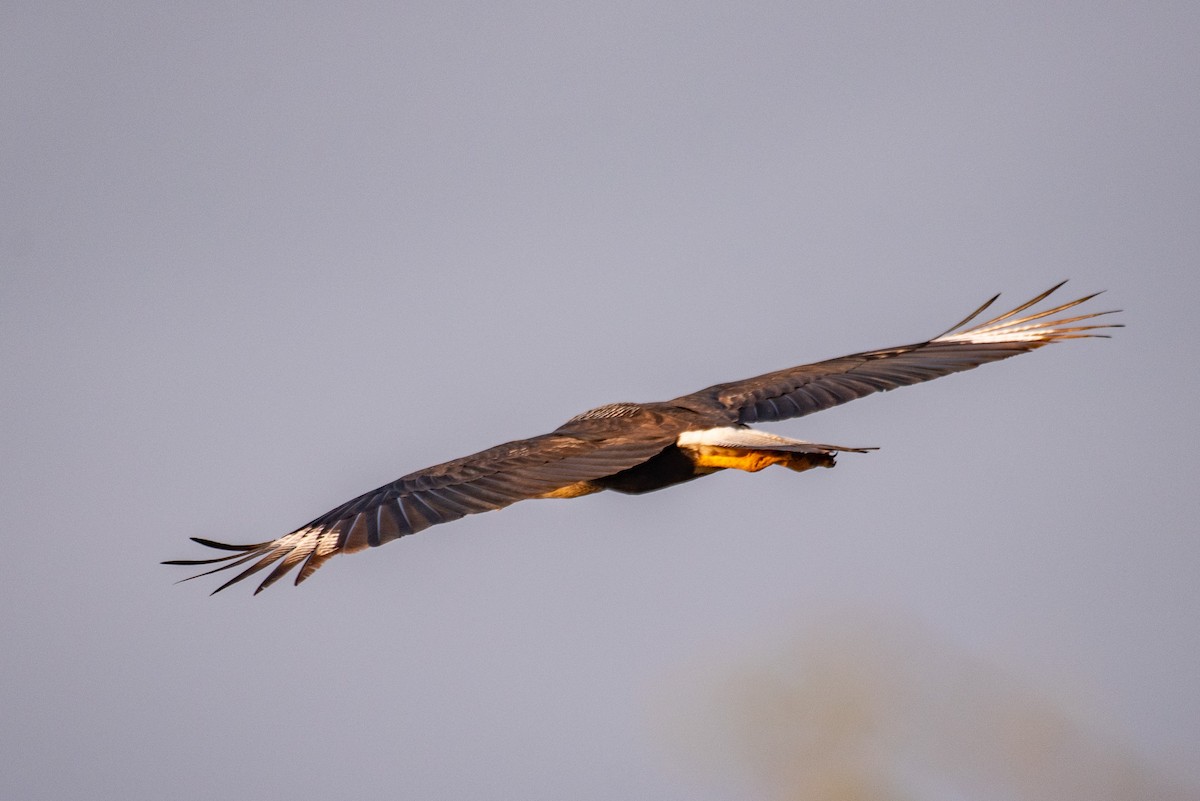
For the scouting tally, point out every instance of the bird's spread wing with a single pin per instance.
(490, 479)
(810, 388)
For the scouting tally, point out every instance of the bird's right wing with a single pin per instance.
(809, 388)
(490, 479)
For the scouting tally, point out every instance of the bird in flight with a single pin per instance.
(641, 447)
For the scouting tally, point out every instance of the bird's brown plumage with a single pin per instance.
(634, 448)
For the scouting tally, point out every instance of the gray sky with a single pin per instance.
(255, 260)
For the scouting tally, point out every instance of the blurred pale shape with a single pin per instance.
(851, 711)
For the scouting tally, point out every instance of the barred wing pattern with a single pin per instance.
(809, 388)
(490, 479)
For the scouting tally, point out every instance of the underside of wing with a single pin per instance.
(809, 388)
(490, 479)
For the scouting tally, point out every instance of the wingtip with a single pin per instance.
(225, 546)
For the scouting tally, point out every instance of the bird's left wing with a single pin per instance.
(809, 388)
(490, 479)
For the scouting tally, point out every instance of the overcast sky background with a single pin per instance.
(256, 259)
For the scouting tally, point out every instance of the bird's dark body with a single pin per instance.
(669, 467)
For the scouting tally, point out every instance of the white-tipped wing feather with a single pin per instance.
(485, 481)
(809, 388)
